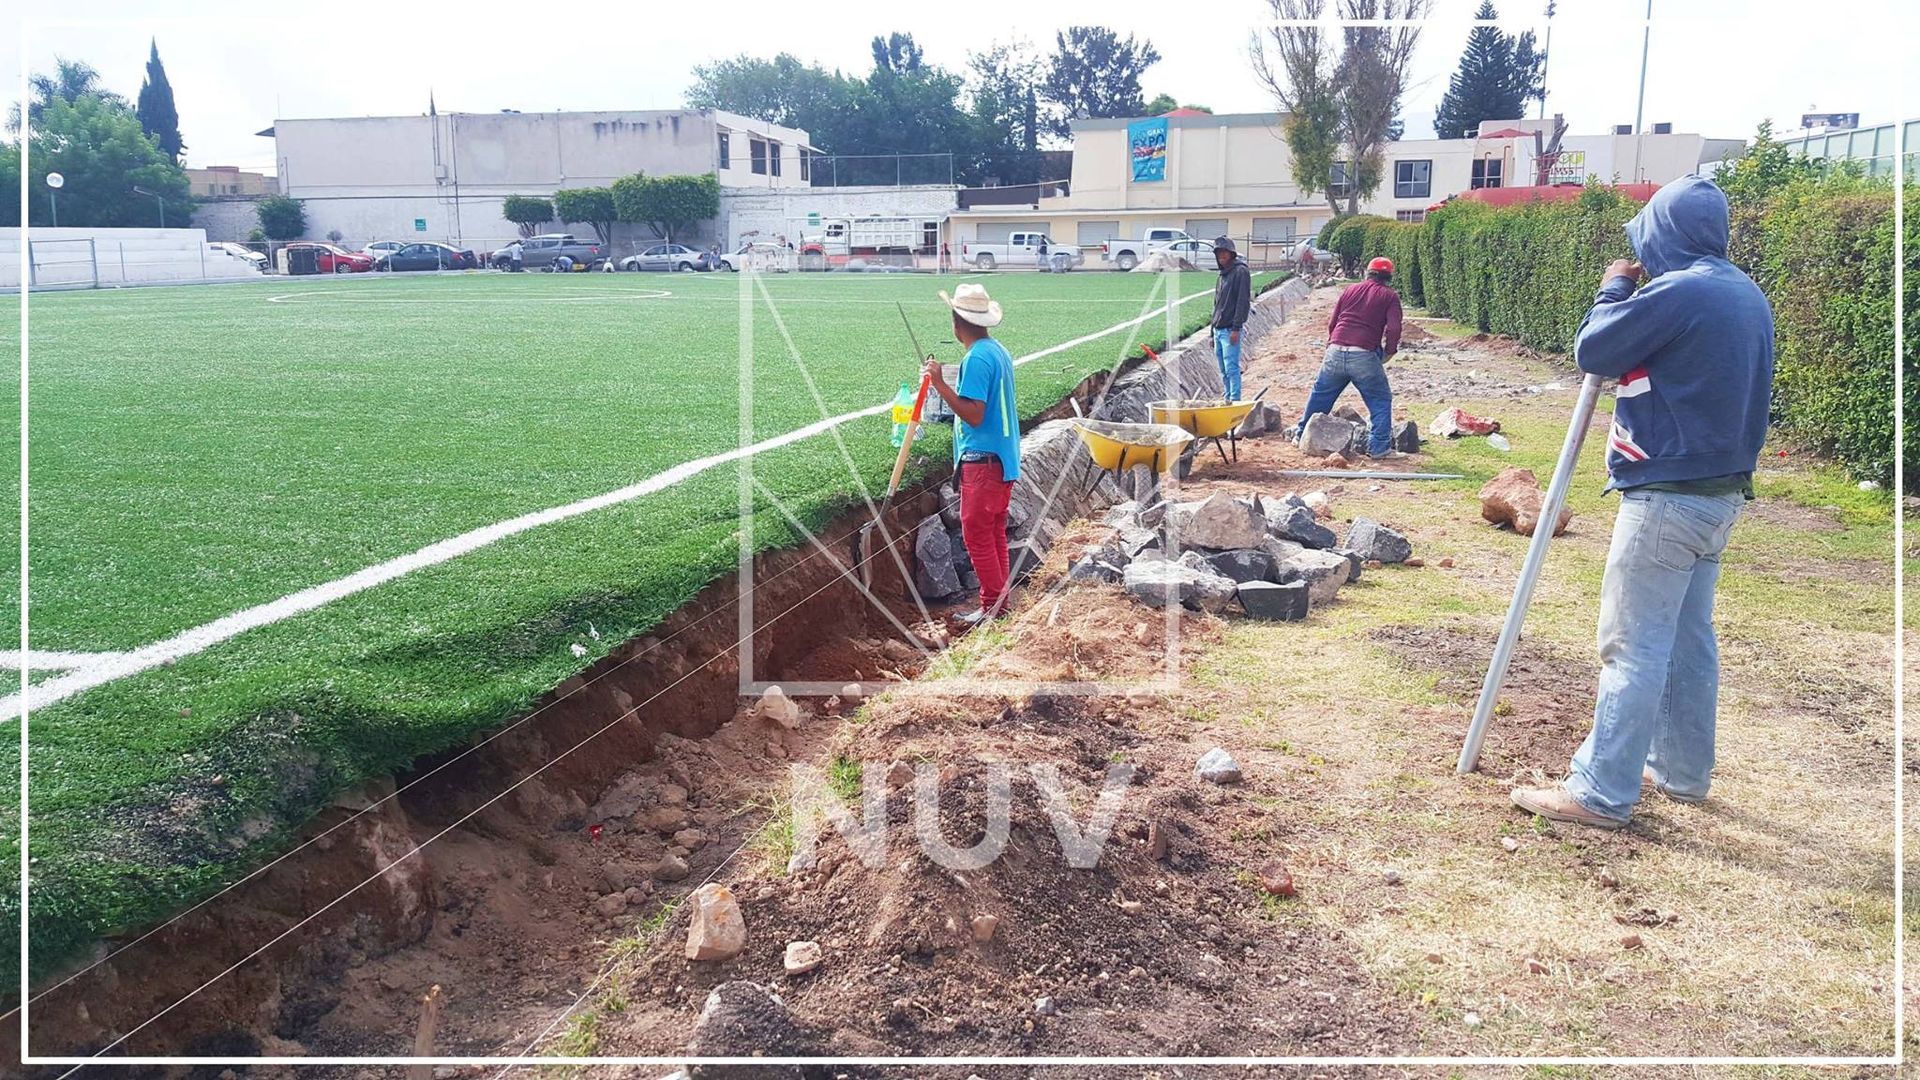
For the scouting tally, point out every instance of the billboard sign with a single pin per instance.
(1830, 120)
(1147, 149)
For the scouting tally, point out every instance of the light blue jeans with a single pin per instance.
(1659, 662)
(1227, 351)
(1367, 371)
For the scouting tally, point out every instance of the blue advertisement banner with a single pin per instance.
(1147, 148)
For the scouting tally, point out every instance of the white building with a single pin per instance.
(1233, 174)
(444, 176)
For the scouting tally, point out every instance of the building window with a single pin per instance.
(1486, 173)
(1413, 179)
(773, 157)
(806, 164)
(1339, 185)
(1414, 216)
(726, 152)
(758, 149)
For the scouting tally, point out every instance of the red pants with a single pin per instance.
(983, 526)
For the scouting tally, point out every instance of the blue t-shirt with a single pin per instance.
(986, 375)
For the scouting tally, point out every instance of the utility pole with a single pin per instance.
(1639, 108)
(1546, 58)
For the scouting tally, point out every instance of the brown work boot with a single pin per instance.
(1555, 804)
(1647, 780)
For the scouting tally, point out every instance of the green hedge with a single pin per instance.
(1820, 246)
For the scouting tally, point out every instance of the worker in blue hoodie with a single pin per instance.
(1692, 351)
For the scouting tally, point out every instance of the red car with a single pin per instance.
(336, 260)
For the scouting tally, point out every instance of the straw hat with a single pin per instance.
(971, 302)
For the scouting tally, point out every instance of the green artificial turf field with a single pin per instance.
(197, 451)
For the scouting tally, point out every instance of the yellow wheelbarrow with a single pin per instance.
(1206, 420)
(1116, 447)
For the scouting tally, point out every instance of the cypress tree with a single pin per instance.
(1498, 74)
(158, 118)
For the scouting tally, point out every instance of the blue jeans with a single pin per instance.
(1659, 662)
(1227, 351)
(1366, 369)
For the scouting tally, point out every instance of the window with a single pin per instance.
(726, 152)
(759, 152)
(1275, 229)
(773, 157)
(1413, 179)
(1415, 216)
(929, 231)
(806, 165)
(1339, 183)
(1486, 173)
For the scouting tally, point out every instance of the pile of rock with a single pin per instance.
(1348, 436)
(1273, 556)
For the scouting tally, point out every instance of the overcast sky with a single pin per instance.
(1717, 66)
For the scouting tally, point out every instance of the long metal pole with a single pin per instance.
(1530, 573)
(1640, 106)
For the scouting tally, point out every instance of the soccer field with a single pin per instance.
(202, 452)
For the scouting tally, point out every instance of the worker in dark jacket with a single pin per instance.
(1232, 299)
(1693, 353)
(1362, 336)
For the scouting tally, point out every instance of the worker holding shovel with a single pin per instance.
(986, 440)
(1693, 353)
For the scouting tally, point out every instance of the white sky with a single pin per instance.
(1717, 66)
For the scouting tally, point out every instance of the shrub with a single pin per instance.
(527, 212)
(1819, 243)
(591, 205)
(1348, 239)
(282, 218)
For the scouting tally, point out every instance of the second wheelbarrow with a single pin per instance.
(1206, 420)
(1117, 447)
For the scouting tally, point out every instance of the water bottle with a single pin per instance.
(902, 412)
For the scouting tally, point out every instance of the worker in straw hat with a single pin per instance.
(986, 440)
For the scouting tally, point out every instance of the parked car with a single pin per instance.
(334, 259)
(427, 256)
(540, 252)
(381, 247)
(1126, 254)
(1022, 249)
(762, 253)
(677, 257)
(239, 251)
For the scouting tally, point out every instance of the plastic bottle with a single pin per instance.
(902, 412)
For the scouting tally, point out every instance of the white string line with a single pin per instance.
(369, 808)
(463, 819)
(205, 636)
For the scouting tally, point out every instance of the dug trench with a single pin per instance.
(503, 871)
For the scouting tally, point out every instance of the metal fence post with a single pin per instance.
(122, 244)
(93, 259)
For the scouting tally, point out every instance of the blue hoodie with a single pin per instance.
(1693, 349)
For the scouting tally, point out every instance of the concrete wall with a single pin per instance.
(784, 211)
(108, 258)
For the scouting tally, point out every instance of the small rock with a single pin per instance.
(1631, 941)
(850, 693)
(665, 819)
(1374, 541)
(1298, 525)
(1416, 562)
(1536, 967)
(1323, 571)
(1510, 844)
(1218, 767)
(1244, 565)
(1406, 437)
(610, 905)
(1130, 907)
(691, 839)
(1446, 564)
(775, 705)
(934, 574)
(1318, 502)
(1373, 564)
(1608, 880)
(1276, 879)
(1515, 498)
(1044, 1006)
(802, 957)
(671, 868)
(1472, 1019)
(715, 930)
(1435, 958)
(1391, 877)
(984, 927)
(899, 774)
(1336, 461)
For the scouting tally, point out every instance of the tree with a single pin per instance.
(1498, 74)
(1166, 103)
(70, 81)
(591, 205)
(1095, 72)
(158, 117)
(282, 218)
(783, 91)
(668, 204)
(1301, 80)
(97, 145)
(1341, 112)
(1010, 121)
(527, 212)
(897, 53)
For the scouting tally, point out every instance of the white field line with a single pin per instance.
(116, 666)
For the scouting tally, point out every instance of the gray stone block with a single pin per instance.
(1273, 601)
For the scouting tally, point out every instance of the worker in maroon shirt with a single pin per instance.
(1362, 336)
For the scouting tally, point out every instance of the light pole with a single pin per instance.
(1546, 57)
(138, 190)
(1640, 105)
(54, 183)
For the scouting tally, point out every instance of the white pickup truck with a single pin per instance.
(1021, 249)
(1126, 254)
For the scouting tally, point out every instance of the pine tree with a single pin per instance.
(158, 118)
(1498, 74)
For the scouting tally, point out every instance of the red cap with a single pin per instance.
(1382, 263)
